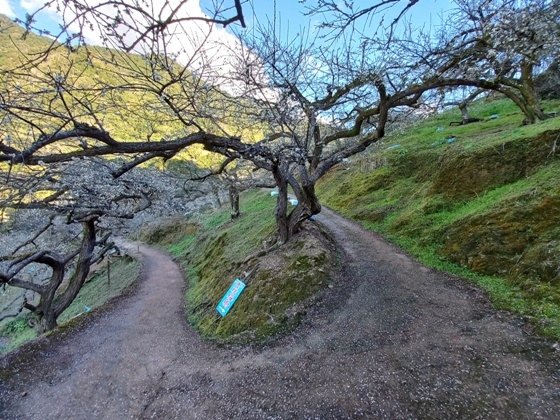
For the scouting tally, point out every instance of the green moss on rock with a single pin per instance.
(277, 286)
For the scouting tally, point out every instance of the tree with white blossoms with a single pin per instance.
(506, 43)
(491, 45)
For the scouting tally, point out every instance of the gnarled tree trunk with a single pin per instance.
(52, 302)
(533, 112)
(289, 223)
(45, 310)
(82, 268)
(523, 93)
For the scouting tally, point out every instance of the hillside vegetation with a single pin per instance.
(98, 80)
(481, 201)
(214, 250)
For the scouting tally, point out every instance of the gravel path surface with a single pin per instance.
(391, 339)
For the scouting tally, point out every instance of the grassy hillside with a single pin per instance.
(481, 201)
(214, 250)
(124, 91)
(86, 71)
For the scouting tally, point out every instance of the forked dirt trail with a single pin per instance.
(392, 339)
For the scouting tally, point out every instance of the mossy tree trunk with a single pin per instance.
(289, 223)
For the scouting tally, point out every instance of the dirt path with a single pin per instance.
(392, 339)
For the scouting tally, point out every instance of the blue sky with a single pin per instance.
(291, 12)
(19, 8)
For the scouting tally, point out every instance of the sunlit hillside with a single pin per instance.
(91, 84)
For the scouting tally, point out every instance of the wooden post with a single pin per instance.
(109, 272)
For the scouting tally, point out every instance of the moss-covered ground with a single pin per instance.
(214, 250)
(97, 291)
(480, 200)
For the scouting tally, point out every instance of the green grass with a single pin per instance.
(95, 293)
(215, 253)
(98, 291)
(16, 333)
(248, 231)
(486, 207)
(541, 180)
(431, 134)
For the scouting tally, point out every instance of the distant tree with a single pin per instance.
(235, 175)
(503, 44)
(463, 105)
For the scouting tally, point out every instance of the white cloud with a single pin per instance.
(203, 47)
(6, 9)
(31, 5)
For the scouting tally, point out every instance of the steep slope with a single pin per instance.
(481, 200)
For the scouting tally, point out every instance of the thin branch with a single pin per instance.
(34, 238)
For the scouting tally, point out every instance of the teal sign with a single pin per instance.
(230, 297)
